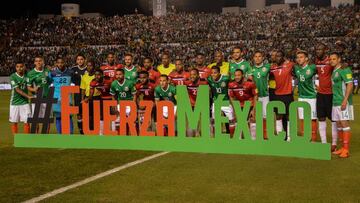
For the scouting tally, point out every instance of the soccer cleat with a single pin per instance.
(344, 154)
(333, 148)
(339, 151)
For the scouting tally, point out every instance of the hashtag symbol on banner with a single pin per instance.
(39, 102)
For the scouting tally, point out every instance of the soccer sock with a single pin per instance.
(253, 131)
(301, 127)
(288, 131)
(101, 132)
(264, 130)
(14, 128)
(58, 125)
(322, 131)
(26, 128)
(232, 130)
(314, 130)
(71, 126)
(346, 137)
(334, 133)
(279, 126)
(79, 124)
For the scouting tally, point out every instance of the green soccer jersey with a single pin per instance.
(131, 74)
(39, 79)
(306, 86)
(340, 77)
(168, 94)
(261, 76)
(124, 91)
(243, 65)
(219, 87)
(18, 81)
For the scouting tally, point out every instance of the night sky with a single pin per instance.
(32, 8)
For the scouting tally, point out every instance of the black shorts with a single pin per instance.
(286, 99)
(77, 101)
(271, 94)
(324, 105)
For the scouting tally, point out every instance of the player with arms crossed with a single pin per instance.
(237, 62)
(179, 75)
(110, 66)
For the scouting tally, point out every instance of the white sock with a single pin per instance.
(288, 132)
(113, 127)
(322, 131)
(279, 126)
(334, 133)
(101, 128)
(253, 131)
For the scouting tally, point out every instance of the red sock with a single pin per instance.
(313, 130)
(14, 128)
(301, 127)
(232, 130)
(346, 139)
(264, 130)
(26, 128)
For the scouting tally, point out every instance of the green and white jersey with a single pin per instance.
(123, 91)
(340, 77)
(131, 73)
(219, 87)
(18, 81)
(243, 65)
(261, 77)
(41, 79)
(168, 94)
(306, 77)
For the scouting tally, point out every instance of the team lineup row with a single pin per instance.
(329, 97)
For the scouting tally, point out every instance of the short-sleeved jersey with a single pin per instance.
(177, 78)
(85, 84)
(306, 77)
(131, 73)
(109, 70)
(245, 91)
(283, 78)
(166, 70)
(168, 94)
(224, 68)
(123, 91)
(219, 87)
(340, 77)
(204, 72)
(324, 71)
(153, 75)
(17, 81)
(145, 91)
(78, 72)
(261, 77)
(192, 88)
(41, 79)
(60, 79)
(243, 65)
(102, 88)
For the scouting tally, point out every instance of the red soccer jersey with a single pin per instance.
(179, 78)
(283, 78)
(109, 70)
(145, 92)
(324, 71)
(204, 72)
(103, 87)
(193, 89)
(242, 92)
(153, 75)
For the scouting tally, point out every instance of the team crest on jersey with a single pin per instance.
(46, 74)
(134, 74)
(126, 88)
(263, 69)
(337, 74)
(307, 72)
(169, 94)
(242, 67)
(223, 84)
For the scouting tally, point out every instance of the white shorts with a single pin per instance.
(127, 109)
(19, 113)
(346, 115)
(227, 110)
(312, 103)
(166, 112)
(264, 101)
(41, 112)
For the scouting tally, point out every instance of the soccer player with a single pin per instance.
(154, 75)
(19, 102)
(243, 90)
(282, 73)
(123, 89)
(260, 73)
(165, 91)
(356, 74)
(78, 71)
(305, 73)
(272, 83)
(85, 90)
(101, 86)
(179, 76)
(218, 84)
(324, 94)
(343, 111)
(61, 76)
(39, 78)
(237, 62)
(221, 63)
(129, 69)
(192, 87)
(204, 71)
(110, 66)
(165, 68)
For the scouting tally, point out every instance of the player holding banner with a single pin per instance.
(342, 111)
